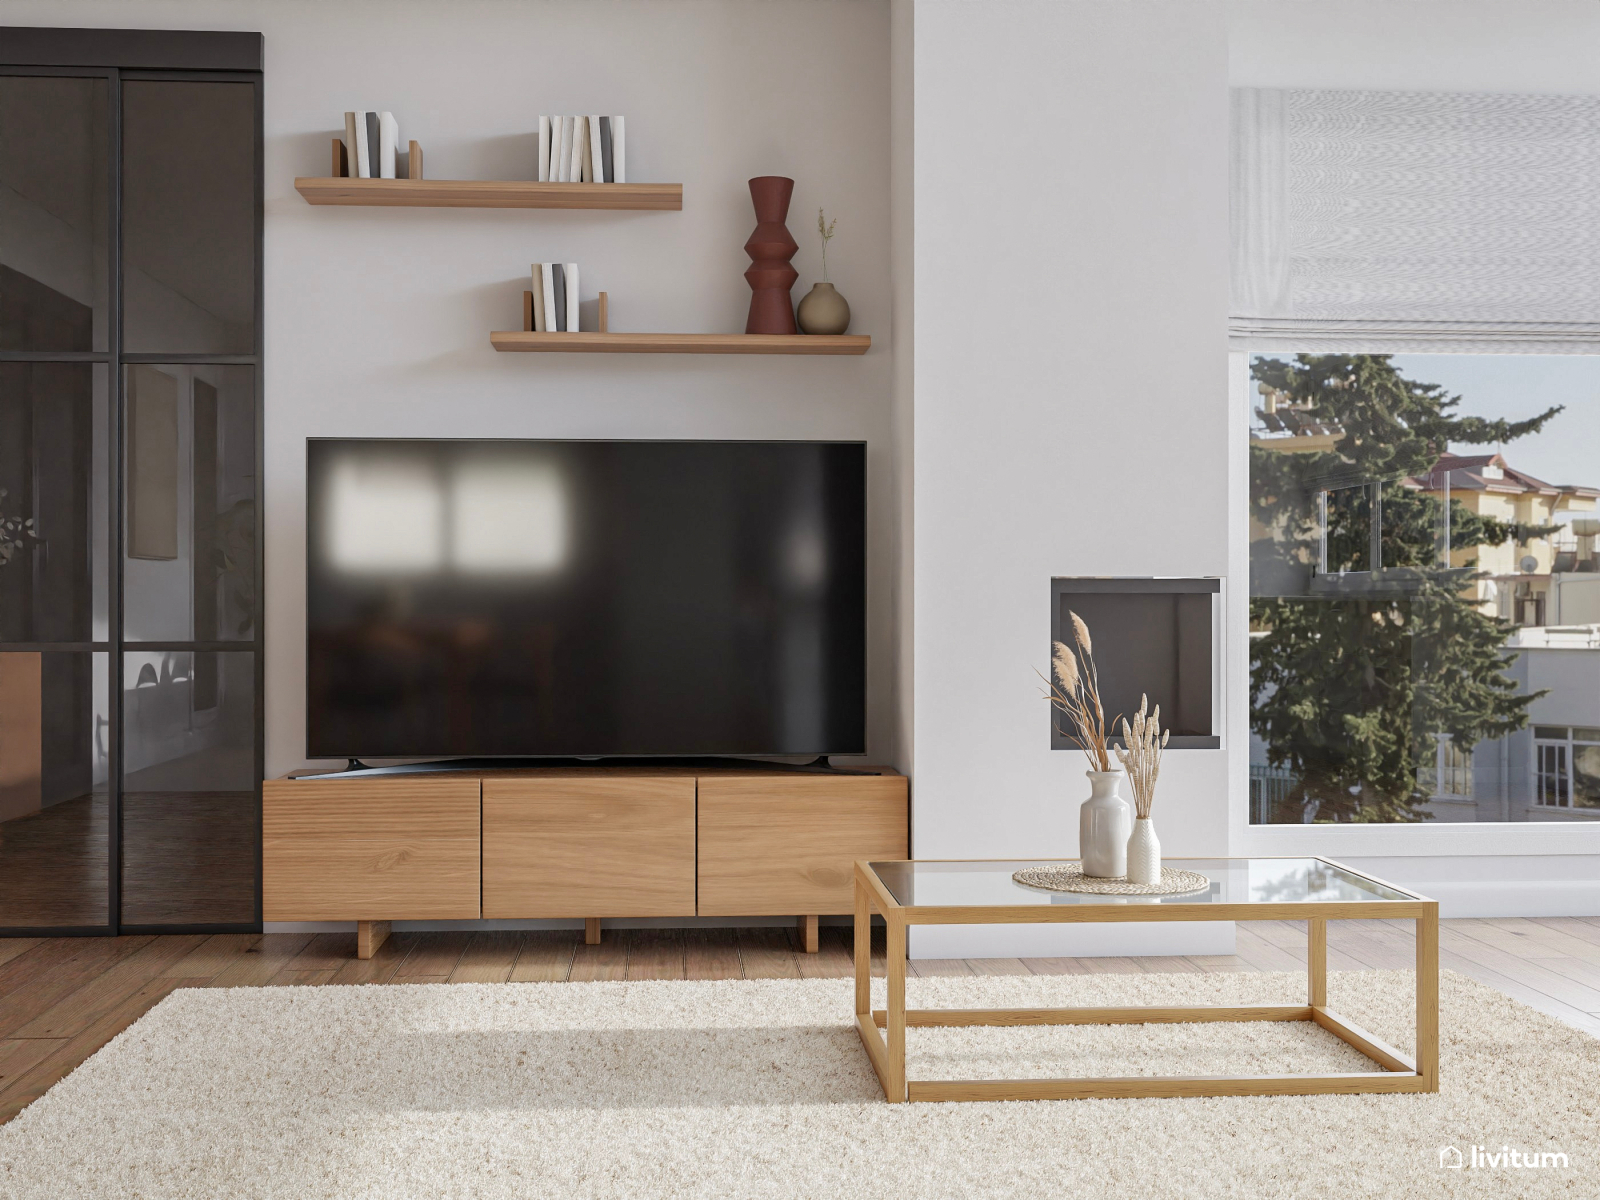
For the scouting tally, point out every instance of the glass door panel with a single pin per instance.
(53, 511)
(190, 553)
(54, 730)
(188, 788)
(189, 217)
(53, 215)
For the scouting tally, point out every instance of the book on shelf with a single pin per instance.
(388, 134)
(355, 146)
(575, 166)
(373, 170)
(350, 143)
(583, 149)
(371, 145)
(556, 298)
(593, 155)
(547, 284)
(540, 325)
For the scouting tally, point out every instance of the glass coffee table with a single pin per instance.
(1314, 890)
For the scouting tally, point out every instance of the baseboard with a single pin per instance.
(1514, 898)
(573, 923)
(1077, 940)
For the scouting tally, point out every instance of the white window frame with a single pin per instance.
(1562, 772)
(1424, 839)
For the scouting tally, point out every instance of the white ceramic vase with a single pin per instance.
(1103, 824)
(1144, 853)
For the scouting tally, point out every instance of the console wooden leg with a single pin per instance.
(369, 936)
(808, 933)
(591, 931)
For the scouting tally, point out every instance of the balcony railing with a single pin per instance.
(1269, 786)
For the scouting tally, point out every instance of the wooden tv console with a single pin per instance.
(521, 843)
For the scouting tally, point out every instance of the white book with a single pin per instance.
(544, 152)
(350, 144)
(547, 283)
(362, 168)
(388, 136)
(565, 164)
(593, 157)
(619, 158)
(579, 137)
(540, 325)
(572, 297)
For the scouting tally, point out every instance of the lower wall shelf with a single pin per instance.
(680, 343)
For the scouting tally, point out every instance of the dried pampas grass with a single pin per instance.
(1142, 757)
(1075, 691)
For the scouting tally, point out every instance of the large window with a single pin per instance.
(1425, 588)
(1414, 284)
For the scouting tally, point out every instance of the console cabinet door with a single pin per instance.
(370, 849)
(786, 845)
(606, 846)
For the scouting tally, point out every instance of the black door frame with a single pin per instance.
(176, 55)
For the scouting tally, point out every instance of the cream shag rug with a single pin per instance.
(760, 1089)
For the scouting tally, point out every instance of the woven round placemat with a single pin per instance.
(1069, 877)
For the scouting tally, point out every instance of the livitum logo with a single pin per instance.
(1506, 1158)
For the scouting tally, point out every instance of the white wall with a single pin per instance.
(378, 321)
(1071, 391)
(1471, 45)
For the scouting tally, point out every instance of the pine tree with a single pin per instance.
(1352, 680)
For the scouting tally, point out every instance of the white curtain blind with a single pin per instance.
(1379, 220)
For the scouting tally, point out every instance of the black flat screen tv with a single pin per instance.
(585, 598)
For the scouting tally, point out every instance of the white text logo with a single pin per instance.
(1507, 1157)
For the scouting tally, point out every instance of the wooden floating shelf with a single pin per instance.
(417, 192)
(491, 193)
(680, 343)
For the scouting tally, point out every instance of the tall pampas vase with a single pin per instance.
(1141, 757)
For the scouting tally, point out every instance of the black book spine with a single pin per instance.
(560, 275)
(608, 173)
(374, 158)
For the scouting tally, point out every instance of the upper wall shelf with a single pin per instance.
(417, 192)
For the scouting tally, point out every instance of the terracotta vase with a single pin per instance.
(823, 310)
(770, 248)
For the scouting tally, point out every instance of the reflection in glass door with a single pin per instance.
(130, 681)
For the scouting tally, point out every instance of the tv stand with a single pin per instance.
(491, 840)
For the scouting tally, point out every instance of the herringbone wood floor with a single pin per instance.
(61, 999)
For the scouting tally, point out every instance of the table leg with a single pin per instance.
(896, 1086)
(1428, 998)
(863, 952)
(1317, 961)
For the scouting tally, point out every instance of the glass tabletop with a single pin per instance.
(1232, 881)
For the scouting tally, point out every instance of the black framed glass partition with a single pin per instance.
(130, 450)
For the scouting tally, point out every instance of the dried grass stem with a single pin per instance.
(1075, 692)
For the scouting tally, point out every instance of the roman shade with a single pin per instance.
(1415, 221)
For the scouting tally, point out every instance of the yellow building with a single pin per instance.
(1520, 572)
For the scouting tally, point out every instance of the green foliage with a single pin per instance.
(1351, 680)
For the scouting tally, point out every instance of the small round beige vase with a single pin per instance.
(823, 310)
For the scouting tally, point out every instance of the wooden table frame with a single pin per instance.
(888, 1050)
